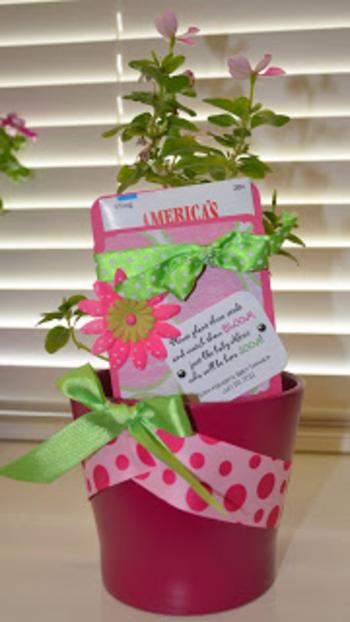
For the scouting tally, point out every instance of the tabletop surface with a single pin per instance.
(49, 559)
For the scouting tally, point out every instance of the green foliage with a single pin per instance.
(164, 133)
(251, 166)
(272, 221)
(243, 116)
(68, 314)
(172, 152)
(56, 339)
(267, 117)
(9, 163)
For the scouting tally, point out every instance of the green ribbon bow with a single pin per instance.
(103, 423)
(176, 267)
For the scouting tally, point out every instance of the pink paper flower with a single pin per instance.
(128, 328)
(241, 69)
(13, 124)
(167, 26)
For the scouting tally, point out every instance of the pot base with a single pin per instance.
(167, 561)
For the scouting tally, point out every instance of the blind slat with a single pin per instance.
(299, 53)
(56, 22)
(77, 63)
(225, 17)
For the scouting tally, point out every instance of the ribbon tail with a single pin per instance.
(144, 433)
(64, 450)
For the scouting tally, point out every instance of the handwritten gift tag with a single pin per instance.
(226, 350)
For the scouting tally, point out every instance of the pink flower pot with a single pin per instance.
(161, 559)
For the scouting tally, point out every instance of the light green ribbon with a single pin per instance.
(103, 423)
(176, 267)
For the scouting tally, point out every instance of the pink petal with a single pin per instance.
(166, 330)
(105, 292)
(166, 24)
(138, 355)
(165, 312)
(119, 276)
(240, 67)
(93, 328)
(29, 133)
(263, 63)
(273, 71)
(156, 347)
(119, 353)
(186, 40)
(91, 307)
(103, 343)
(157, 299)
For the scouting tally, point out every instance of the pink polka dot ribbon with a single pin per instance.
(251, 486)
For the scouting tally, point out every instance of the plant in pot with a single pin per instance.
(13, 137)
(187, 492)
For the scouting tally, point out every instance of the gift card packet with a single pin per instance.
(243, 361)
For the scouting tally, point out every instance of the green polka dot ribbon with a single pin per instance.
(176, 267)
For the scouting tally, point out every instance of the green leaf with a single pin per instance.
(130, 132)
(223, 120)
(217, 172)
(183, 124)
(182, 145)
(113, 131)
(239, 106)
(242, 132)
(129, 175)
(226, 140)
(188, 111)
(268, 117)
(190, 92)
(289, 256)
(271, 216)
(252, 167)
(73, 300)
(141, 96)
(141, 120)
(70, 302)
(155, 74)
(176, 84)
(296, 240)
(49, 316)
(56, 339)
(141, 64)
(170, 62)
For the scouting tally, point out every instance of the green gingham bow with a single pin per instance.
(176, 267)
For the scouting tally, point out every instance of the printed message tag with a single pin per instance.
(226, 350)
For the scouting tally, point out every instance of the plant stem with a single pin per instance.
(81, 346)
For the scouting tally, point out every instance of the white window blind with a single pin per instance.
(62, 66)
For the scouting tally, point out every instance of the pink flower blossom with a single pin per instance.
(13, 124)
(241, 69)
(127, 327)
(167, 26)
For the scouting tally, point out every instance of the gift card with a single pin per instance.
(226, 350)
(170, 218)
